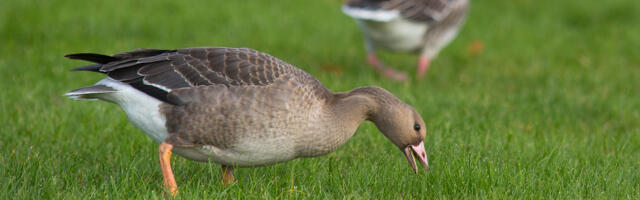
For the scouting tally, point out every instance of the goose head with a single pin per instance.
(402, 124)
(399, 122)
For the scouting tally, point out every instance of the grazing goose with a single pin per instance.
(242, 108)
(423, 26)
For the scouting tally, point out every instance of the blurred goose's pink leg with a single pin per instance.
(386, 71)
(423, 66)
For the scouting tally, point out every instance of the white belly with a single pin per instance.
(397, 35)
(248, 153)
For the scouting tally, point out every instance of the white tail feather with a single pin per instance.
(90, 92)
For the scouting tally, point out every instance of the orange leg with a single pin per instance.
(227, 175)
(164, 151)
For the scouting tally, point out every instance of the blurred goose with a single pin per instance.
(242, 108)
(423, 26)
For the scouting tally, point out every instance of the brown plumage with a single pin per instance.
(241, 107)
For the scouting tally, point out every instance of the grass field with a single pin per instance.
(535, 99)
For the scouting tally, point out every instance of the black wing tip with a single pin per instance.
(74, 55)
(91, 57)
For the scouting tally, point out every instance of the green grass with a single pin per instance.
(550, 109)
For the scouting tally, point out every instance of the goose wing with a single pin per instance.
(159, 72)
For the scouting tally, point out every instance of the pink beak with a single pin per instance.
(418, 151)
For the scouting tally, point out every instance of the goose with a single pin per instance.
(238, 107)
(416, 26)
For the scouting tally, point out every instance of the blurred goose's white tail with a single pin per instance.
(370, 14)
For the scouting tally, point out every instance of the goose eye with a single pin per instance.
(416, 127)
